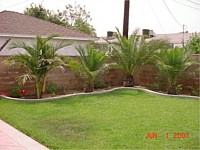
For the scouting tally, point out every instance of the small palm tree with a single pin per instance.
(173, 64)
(130, 54)
(51, 59)
(38, 59)
(90, 66)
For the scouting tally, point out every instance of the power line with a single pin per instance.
(42, 1)
(16, 4)
(186, 5)
(156, 16)
(193, 2)
(172, 14)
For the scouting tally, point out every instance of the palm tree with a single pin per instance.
(51, 59)
(173, 64)
(130, 54)
(38, 59)
(90, 66)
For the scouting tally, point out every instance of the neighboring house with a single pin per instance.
(176, 39)
(19, 27)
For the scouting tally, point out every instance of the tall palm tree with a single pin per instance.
(130, 54)
(90, 65)
(173, 64)
(38, 59)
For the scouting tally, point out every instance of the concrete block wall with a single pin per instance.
(71, 81)
(8, 78)
(68, 79)
(146, 76)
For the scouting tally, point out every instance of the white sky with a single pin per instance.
(108, 14)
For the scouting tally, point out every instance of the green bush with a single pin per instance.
(100, 84)
(15, 91)
(195, 91)
(154, 87)
(52, 89)
(194, 43)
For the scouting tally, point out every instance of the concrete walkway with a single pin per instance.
(12, 139)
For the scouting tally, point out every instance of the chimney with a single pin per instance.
(109, 34)
(147, 32)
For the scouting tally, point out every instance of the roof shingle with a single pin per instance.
(20, 24)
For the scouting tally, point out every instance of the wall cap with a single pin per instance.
(99, 92)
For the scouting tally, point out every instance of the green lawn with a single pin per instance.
(117, 120)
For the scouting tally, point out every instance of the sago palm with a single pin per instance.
(90, 65)
(130, 54)
(38, 58)
(173, 64)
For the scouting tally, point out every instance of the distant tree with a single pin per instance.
(37, 11)
(75, 17)
(84, 26)
(45, 14)
(78, 18)
(194, 43)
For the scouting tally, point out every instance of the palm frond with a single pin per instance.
(131, 53)
(91, 64)
(24, 78)
(173, 64)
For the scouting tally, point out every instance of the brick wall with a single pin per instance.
(71, 81)
(8, 77)
(146, 76)
(67, 79)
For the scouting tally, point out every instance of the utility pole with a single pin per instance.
(126, 18)
(184, 27)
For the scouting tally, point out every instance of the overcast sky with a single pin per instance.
(144, 14)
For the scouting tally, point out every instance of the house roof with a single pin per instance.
(14, 23)
(175, 38)
(102, 40)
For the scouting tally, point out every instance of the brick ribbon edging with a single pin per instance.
(100, 92)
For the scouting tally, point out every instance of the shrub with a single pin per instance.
(100, 84)
(52, 89)
(194, 43)
(15, 91)
(195, 91)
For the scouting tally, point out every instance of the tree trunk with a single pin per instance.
(89, 88)
(44, 84)
(128, 81)
(172, 90)
(37, 86)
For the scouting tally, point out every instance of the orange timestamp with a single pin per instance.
(175, 135)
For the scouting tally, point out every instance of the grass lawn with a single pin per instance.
(116, 120)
